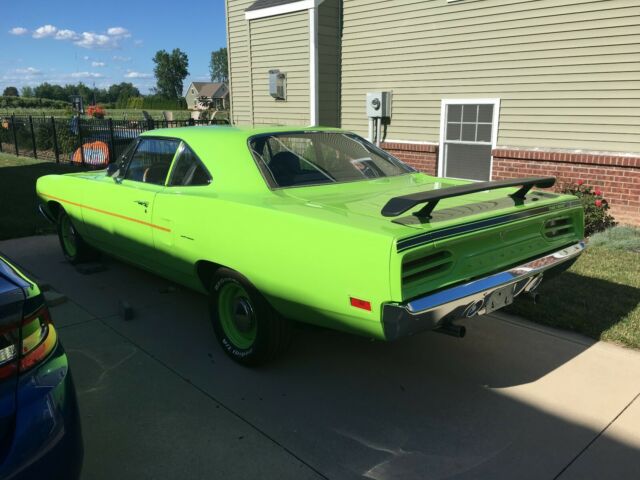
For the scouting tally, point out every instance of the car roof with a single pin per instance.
(199, 132)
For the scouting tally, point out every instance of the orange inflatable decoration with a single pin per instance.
(95, 153)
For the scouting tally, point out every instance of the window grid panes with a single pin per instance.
(469, 123)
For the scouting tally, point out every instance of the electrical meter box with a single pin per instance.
(379, 104)
(277, 84)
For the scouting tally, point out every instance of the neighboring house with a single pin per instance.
(482, 89)
(217, 93)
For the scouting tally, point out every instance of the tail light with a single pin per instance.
(9, 341)
(39, 338)
(25, 347)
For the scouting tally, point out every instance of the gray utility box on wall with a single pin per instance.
(277, 84)
(379, 104)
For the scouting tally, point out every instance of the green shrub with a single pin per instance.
(67, 140)
(596, 207)
(44, 135)
(28, 102)
(617, 238)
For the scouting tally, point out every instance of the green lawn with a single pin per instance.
(19, 216)
(599, 296)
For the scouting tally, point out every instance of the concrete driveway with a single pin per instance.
(159, 399)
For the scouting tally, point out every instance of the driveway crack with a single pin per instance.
(593, 440)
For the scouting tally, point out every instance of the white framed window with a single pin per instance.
(468, 134)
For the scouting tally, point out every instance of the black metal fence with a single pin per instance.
(84, 142)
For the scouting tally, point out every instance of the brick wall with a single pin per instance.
(618, 176)
(423, 157)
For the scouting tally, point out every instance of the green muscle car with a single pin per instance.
(316, 225)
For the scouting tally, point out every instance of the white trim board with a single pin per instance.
(468, 101)
(313, 67)
(410, 142)
(281, 9)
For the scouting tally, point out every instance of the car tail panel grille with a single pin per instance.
(558, 227)
(415, 270)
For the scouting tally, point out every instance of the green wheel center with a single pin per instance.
(237, 316)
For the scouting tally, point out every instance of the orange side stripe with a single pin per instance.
(158, 227)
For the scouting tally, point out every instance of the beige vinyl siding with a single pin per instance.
(567, 71)
(282, 43)
(191, 97)
(329, 63)
(238, 50)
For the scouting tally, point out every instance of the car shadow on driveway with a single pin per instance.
(511, 400)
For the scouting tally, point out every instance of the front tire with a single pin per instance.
(247, 327)
(74, 248)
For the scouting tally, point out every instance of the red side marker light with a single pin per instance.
(363, 304)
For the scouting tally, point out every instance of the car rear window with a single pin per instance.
(313, 158)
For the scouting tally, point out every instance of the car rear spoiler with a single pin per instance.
(399, 205)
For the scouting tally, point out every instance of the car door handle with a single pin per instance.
(142, 202)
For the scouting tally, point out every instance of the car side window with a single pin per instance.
(151, 161)
(188, 169)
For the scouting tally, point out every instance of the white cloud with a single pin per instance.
(119, 58)
(44, 31)
(86, 57)
(28, 71)
(98, 64)
(18, 31)
(86, 75)
(107, 40)
(22, 76)
(65, 35)
(95, 40)
(118, 32)
(131, 74)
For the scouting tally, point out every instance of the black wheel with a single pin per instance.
(74, 248)
(249, 330)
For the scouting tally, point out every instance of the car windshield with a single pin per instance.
(312, 158)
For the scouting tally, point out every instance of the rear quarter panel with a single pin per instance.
(305, 261)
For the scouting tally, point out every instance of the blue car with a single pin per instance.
(40, 435)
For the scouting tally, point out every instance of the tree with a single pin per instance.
(10, 92)
(27, 92)
(219, 66)
(121, 92)
(171, 69)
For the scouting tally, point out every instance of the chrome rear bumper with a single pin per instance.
(470, 299)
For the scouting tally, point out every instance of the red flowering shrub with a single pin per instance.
(96, 111)
(596, 207)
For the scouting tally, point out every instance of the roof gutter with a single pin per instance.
(281, 9)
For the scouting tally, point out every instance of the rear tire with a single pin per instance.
(247, 327)
(74, 248)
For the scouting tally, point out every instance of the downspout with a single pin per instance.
(313, 65)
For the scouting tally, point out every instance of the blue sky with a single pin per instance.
(67, 41)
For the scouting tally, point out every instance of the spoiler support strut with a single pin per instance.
(398, 205)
